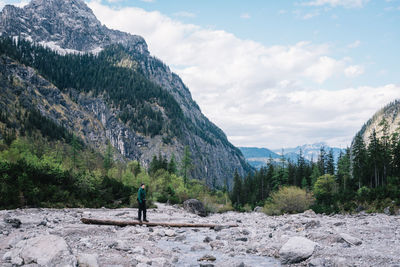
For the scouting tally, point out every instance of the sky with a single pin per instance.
(273, 74)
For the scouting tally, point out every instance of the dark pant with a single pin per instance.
(142, 208)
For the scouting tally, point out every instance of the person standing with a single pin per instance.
(142, 203)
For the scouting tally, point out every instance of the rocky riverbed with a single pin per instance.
(56, 237)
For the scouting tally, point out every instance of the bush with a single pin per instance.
(363, 193)
(289, 199)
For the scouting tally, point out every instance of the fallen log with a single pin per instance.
(163, 224)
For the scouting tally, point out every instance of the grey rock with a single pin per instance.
(7, 256)
(207, 257)
(42, 223)
(350, 239)
(170, 233)
(245, 232)
(195, 206)
(318, 262)
(15, 222)
(87, 260)
(244, 239)
(258, 209)
(296, 249)
(387, 211)
(207, 239)
(339, 223)
(312, 224)
(197, 248)
(360, 208)
(45, 250)
(180, 238)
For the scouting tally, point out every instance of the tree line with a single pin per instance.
(365, 176)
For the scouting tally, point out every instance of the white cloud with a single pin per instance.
(184, 14)
(337, 3)
(310, 15)
(245, 16)
(354, 44)
(257, 94)
(148, 1)
(20, 3)
(354, 71)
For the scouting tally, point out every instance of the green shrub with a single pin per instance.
(363, 193)
(289, 199)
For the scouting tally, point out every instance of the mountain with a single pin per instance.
(104, 86)
(310, 151)
(387, 118)
(258, 157)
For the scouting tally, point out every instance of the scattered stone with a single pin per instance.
(42, 223)
(138, 250)
(16, 223)
(317, 262)
(197, 248)
(218, 228)
(387, 211)
(350, 239)
(217, 244)
(207, 239)
(180, 238)
(296, 249)
(339, 223)
(270, 235)
(244, 239)
(206, 265)
(17, 261)
(7, 256)
(207, 258)
(312, 224)
(360, 208)
(245, 232)
(195, 206)
(87, 260)
(170, 233)
(309, 213)
(258, 209)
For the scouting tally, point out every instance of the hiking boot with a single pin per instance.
(145, 220)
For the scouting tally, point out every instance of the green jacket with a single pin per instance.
(141, 195)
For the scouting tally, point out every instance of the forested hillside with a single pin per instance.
(104, 86)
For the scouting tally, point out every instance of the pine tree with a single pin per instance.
(359, 160)
(237, 189)
(172, 165)
(330, 163)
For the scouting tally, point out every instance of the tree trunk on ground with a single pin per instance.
(164, 224)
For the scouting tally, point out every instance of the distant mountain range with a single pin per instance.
(259, 157)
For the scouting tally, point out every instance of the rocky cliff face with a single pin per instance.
(388, 117)
(70, 26)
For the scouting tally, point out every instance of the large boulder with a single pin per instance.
(296, 249)
(195, 206)
(44, 250)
